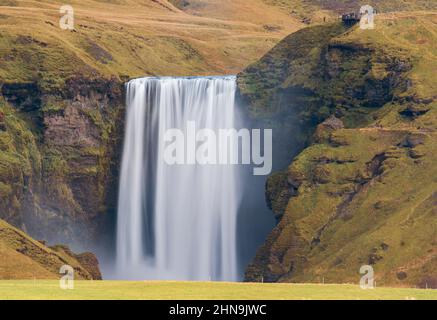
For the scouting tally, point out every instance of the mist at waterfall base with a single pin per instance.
(184, 222)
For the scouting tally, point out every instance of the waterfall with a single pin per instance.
(176, 222)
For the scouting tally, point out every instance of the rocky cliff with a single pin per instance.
(362, 191)
(58, 151)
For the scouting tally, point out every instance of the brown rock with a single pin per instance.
(89, 261)
(324, 130)
(333, 123)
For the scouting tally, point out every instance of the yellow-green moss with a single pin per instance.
(366, 194)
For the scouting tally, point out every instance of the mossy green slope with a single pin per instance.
(25, 258)
(363, 193)
(20, 162)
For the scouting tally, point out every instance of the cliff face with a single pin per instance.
(363, 190)
(59, 156)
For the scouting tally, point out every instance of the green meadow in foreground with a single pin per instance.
(115, 290)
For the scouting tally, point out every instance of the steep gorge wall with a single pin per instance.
(360, 189)
(60, 151)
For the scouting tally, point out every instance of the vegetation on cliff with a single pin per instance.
(363, 191)
(58, 155)
(25, 258)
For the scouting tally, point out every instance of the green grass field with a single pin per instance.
(119, 290)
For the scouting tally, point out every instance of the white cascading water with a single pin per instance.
(176, 222)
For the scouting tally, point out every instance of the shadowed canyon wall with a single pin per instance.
(59, 154)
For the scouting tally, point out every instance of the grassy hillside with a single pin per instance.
(363, 191)
(134, 38)
(24, 258)
(117, 290)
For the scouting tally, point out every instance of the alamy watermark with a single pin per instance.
(67, 280)
(67, 20)
(367, 21)
(367, 281)
(219, 147)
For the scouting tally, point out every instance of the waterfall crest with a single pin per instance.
(176, 222)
